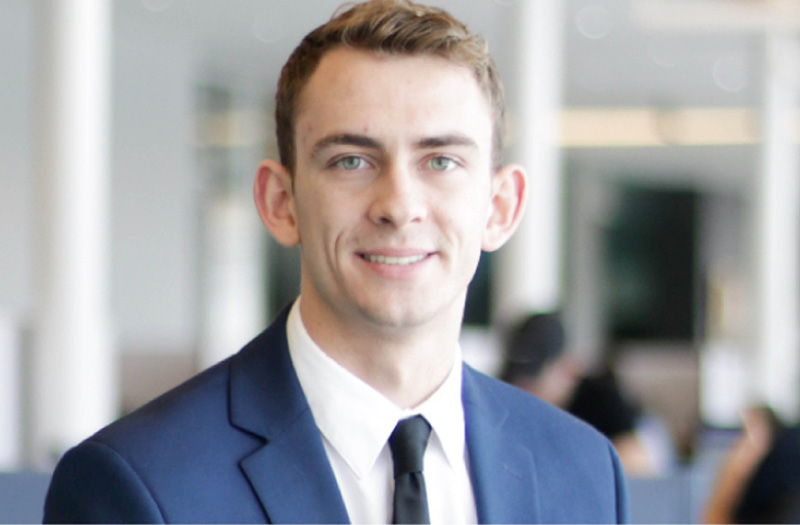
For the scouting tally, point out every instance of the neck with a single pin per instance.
(405, 364)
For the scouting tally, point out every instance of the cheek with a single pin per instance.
(467, 226)
(323, 220)
(472, 215)
(311, 219)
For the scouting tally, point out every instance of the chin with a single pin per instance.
(413, 314)
(393, 320)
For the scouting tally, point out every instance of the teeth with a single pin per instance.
(399, 261)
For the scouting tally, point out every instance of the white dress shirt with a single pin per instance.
(356, 421)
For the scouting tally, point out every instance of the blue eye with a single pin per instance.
(351, 163)
(442, 163)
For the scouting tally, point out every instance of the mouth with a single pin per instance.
(394, 261)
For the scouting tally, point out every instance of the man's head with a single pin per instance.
(395, 27)
(391, 188)
(535, 359)
(534, 344)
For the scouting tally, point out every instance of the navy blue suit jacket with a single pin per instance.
(238, 443)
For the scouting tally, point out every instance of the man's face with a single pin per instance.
(392, 188)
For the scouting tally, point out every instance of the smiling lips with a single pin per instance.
(395, 261)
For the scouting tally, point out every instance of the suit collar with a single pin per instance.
(291, 473)
(503, 470)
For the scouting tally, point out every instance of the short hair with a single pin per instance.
(533, 344)
(393, 27)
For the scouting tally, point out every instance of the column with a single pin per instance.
(10, 388)
(528, 270)
(585, 310)
(234, 288)
(777, 191)
(73, 373)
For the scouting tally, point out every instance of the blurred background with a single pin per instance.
(661, 137)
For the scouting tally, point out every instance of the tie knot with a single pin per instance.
(407, 443)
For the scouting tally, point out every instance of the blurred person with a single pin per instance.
(759, 480)
(536, 361)
(355, 405)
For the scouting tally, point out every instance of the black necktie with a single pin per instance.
(408, 442)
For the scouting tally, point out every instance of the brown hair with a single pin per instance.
(398, 27)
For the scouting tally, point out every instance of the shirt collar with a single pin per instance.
(356, 419)
(445, 412)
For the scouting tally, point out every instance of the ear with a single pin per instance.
(509, 196)
(274, 198)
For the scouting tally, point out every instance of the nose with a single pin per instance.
(399, 198)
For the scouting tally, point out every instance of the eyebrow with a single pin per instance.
(453, 139)
(363, 141)
(344, 139)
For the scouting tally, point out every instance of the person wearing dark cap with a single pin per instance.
(536, 361)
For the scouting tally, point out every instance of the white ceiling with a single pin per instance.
(614, 56)
(610, 58)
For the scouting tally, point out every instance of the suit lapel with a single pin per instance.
(503, 471)
(291, 473)
(293, 479)
(292, 476)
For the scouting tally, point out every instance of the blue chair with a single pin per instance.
(667, 499)
(22, 496)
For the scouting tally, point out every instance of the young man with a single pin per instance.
(390, 122)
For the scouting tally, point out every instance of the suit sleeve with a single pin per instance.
(94, 484)
(620, 488)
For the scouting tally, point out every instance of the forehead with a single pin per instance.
(392, 96)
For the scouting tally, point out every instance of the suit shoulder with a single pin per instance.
(93, 484)
(575, 462)
(530, 416)
(199, 406)
(112, 476)
(195, 401)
